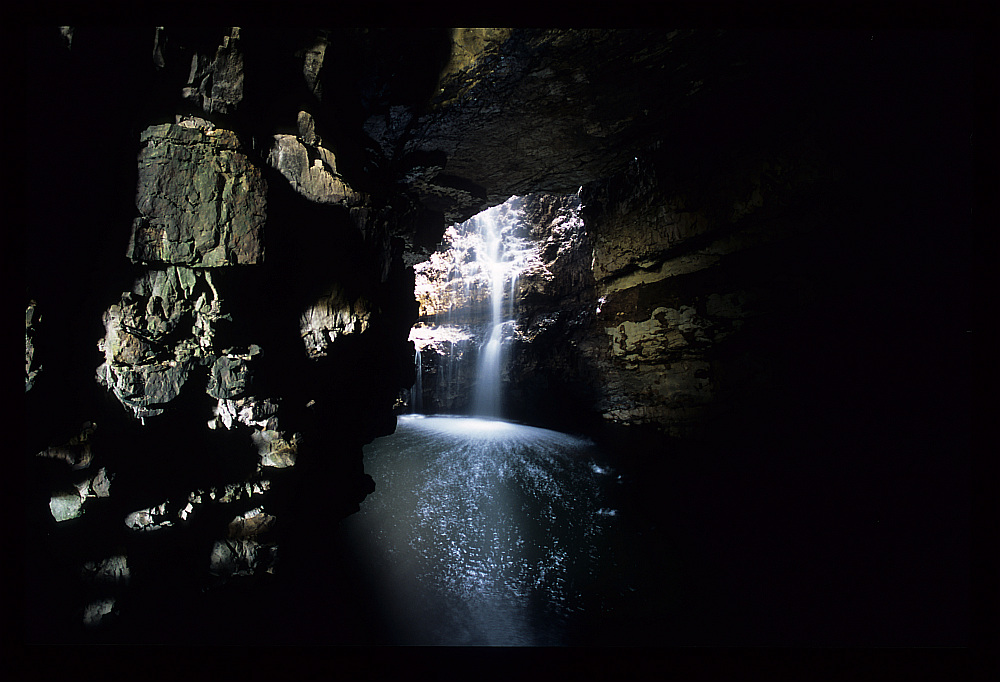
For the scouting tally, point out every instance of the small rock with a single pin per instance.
(66, 505)
(97, 611)
(101, 483)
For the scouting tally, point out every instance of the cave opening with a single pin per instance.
(495, 301)
(469, 296)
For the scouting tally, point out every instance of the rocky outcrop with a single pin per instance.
(156, 335)
(215, 82)
(311, 169)
(331, 316)
(551, 375)
(202, 203)
(31, 367)
(670, 286)
(223, 370)
(534, 110)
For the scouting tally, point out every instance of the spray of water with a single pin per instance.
(483, 259)
(501, 258)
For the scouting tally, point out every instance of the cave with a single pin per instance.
(737, 265)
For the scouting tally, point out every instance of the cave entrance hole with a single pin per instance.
(470, 293)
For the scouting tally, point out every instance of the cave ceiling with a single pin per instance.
(516, 111)
(443, 123)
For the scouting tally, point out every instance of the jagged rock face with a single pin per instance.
(157, 334)
(215, 83)
(550, 376)
(312, 170)
(223, 367)
(30, 368)
(331, 316)
(202, 202)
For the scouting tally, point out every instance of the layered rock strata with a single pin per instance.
(673, 286)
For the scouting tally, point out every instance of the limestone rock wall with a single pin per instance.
(202, 203)
(685, 273)
(244, 317)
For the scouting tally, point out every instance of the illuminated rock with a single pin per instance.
(332, 315)
(202, 202)
(312, 171)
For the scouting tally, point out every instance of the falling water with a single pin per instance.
(472, 286)
(487, 399)
(500, 261)
(417, 390)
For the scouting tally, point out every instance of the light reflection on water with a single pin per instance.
(481, 530)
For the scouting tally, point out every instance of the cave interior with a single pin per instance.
(753, 289)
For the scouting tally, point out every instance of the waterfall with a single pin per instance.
(417, 390)
(487, 400)
(470, 287)
(500, 258)
(487, 396)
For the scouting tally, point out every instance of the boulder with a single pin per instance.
(202, 202)
(332, 315)
(310, 169)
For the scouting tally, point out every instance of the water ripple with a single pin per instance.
(493, 520)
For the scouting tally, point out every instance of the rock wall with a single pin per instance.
(552, 378)
(685, 275)
(251, 312)
(771, 370)
(732, 258)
